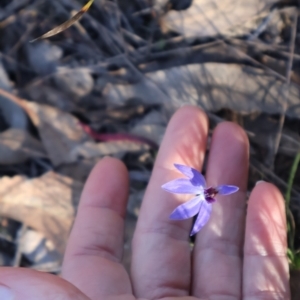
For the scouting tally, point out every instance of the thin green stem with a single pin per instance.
(289, 216)
(291, 179)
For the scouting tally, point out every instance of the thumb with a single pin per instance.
(20, 284)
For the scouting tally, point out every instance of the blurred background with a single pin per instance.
(108, 86)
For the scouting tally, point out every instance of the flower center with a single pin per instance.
(210, 193)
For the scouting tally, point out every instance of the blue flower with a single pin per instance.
(201, 204)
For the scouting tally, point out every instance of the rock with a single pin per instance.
(43, 57)
(12, 113)
(39, 250)
(76, 82)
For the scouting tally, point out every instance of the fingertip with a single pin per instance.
(231, 131)
(265, 260)
(108, 164)
(229, 156)
(185, 138)
(266, 192)
(189, 113)
(267, 198)
(108, 180)
(266, 220)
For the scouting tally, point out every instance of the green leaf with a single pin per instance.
(297, 261)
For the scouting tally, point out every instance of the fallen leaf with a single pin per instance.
(46, 204)
(90, 150)
(17, 145)
(212, 86)
(60, 132)
(213, 17)
(66, 24)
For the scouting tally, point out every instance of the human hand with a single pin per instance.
(235, 256)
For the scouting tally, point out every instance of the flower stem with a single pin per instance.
(289, 216)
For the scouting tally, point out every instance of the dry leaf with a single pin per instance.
(213, 17)
(60, 132)
(90, 150)
(212, 86)
(46, 204)
(17, 145)
(66, 24)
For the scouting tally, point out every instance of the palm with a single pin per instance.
(230, 260)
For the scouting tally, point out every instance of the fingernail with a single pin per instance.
(6, 293)
(259, 182)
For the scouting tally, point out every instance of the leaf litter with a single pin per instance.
(140, 64)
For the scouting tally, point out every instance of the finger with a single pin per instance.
(266, 272)
(161, 252)
(93, 257)
(218, 246)
(20, 284)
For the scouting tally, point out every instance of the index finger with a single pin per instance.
(93, 257)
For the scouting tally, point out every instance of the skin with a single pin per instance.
(236, 256)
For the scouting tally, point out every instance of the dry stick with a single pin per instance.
(21, 40)
(287, 85)
(191, 54)
(262, 25)
(118, 13)
(195, 54)
(11, 60)
(66, 24)
(270, 50)
(11, 8)
(137, 57)
(109, 37)
(257, 63)
(134, 39)
(177, 54)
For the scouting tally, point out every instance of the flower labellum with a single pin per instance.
(201, 205)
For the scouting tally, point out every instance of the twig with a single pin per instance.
(263, 25)
(287, 85)
(12, 7)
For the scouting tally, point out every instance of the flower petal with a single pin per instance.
(186, 210)
(182, 186)
(203, 216)
(195, 177)
(227, 189)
